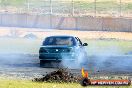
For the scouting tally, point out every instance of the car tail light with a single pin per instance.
(70, 50)
(42, 50)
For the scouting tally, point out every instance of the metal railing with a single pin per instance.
(111, 8)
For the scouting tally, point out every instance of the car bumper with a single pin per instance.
(57, 57)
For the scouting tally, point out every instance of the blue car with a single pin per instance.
(58, 48)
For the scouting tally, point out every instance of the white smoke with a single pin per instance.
(77, 62)
(99, 56)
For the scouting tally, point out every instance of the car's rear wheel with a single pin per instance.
(49, 64)
(41, 63)
(44, 63)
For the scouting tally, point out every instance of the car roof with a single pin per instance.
(61, 36)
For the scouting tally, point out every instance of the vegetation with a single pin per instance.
(101, 5)
(114, 47)
(29, 84)
(23, 45)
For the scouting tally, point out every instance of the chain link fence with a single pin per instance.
(90, 15)
(103, 8)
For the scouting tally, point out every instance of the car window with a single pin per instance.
(69, 41)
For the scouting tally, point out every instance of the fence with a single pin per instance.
(112, 8)
(59, 22)
(90, 15)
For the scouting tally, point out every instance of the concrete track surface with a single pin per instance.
(27, 66)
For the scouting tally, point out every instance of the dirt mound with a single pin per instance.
(61, 75)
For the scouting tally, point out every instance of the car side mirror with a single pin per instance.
(85, 44)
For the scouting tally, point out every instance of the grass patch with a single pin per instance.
(84, 5)
(13, 2)
(100, 6)
(110, 46)
(29, 84)
(19, 45)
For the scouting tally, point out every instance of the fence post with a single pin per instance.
(95, 8)
(120, 7)
(0, 3)
(72, 7)
(130, 20)
(51, 12)
(28, 5)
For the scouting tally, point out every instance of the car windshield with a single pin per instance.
(68, 41)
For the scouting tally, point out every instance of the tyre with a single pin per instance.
(45, 63)
(41, 63)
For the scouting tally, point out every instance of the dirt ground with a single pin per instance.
(27, 66)
(41, 33)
